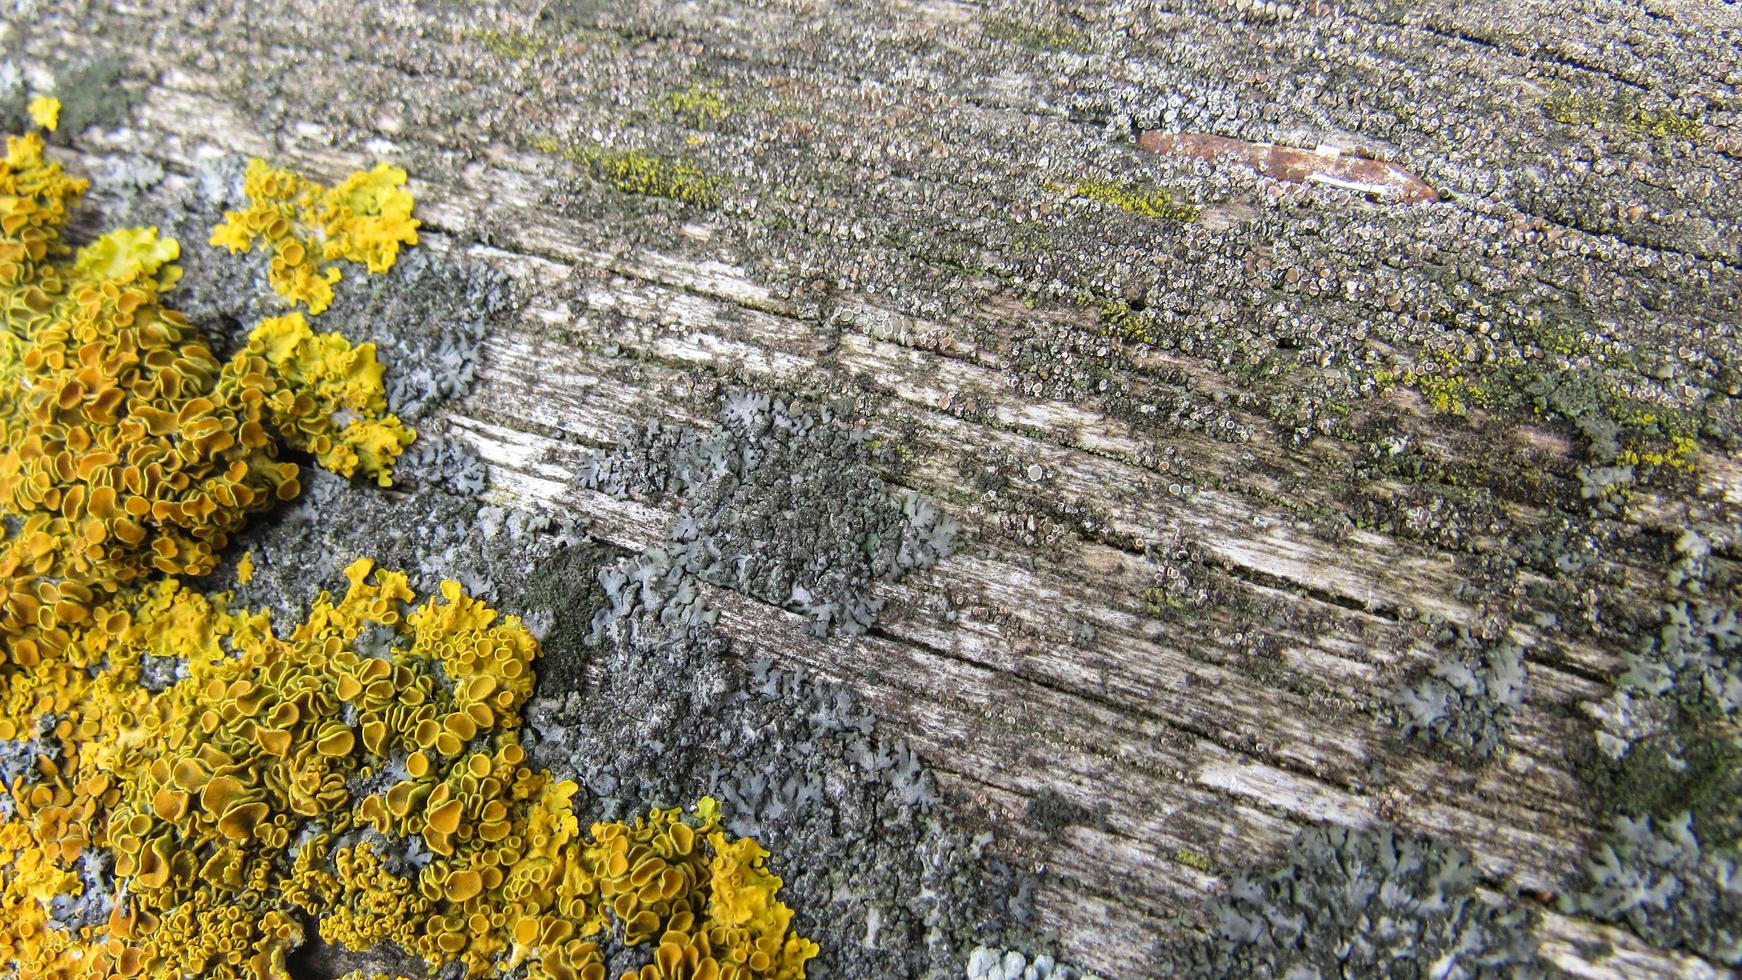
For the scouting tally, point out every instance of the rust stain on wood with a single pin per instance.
(1324, 165)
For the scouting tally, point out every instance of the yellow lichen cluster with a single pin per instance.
(258, 791)
(699, 106)
(268, 786)
(45, 111)
(309, 228)
(126, 447)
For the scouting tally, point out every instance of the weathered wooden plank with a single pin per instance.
(1213, 735)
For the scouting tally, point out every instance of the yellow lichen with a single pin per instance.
(126, 448)
(1572, 109)
(45, 111)
(514, 45)
(309, 228)
(699, 106)
(341, 381)
(265, 742)
(128, 252)
(259, 794)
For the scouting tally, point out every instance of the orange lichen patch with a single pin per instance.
(445, 818)
(1324, 165)
(128, 454)
(38, 195)
(201, 792)
(127, 449)
(310, 228)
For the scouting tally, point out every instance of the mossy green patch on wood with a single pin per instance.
(89, 92)
(567, 586)
(92, 94)
(1039, 35)
(636, 171)
(1196, 860)
(1149, 202)
(1569, 108)
(699, 106)
(1685, 770)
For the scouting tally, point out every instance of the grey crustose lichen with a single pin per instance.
(1692, 659)
(1664, 885)
(1466, 700)
(1362, 903)
(675, 710)
(1666, 739)
(780, 504)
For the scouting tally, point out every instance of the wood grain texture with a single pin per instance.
(879, 169)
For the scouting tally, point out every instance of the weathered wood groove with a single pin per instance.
(755, 625)
(1582, 691)
(933, 477)
(1178, 716)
